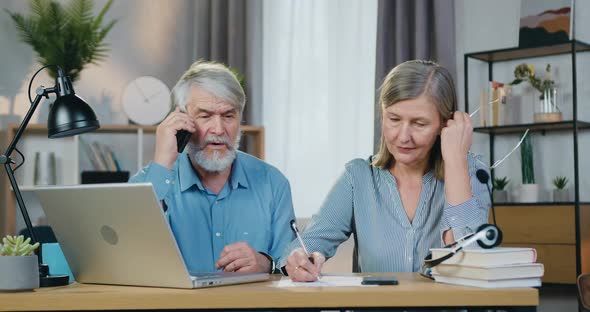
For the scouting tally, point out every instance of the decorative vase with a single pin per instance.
(500, 196)
(19, 273)
(561, 195)
(546, 109)
(529, 193)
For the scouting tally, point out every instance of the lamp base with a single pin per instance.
(46, 280)
(54, 280)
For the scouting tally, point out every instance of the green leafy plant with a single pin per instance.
(17, 246)
(241, 78)
(560, 182)
(500, 183)
(525, 72)
(69, 36)
(526, 157)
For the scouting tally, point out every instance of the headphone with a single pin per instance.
(487, 236)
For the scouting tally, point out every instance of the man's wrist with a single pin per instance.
(271, 261)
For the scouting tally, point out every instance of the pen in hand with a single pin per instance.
(296, 231)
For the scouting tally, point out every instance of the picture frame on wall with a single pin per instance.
(545, 22)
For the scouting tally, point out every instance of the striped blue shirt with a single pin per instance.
(365, 200)
(254, 206)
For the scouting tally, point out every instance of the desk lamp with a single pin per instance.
(69, 115)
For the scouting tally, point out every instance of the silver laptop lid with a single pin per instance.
(114, 234)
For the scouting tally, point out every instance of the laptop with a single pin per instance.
(118, 234)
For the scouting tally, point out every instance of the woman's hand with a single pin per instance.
(456, 138)
(301, 269)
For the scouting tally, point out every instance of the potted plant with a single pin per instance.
(69, 36)
(560, 194)
(500, 194)
(546, 109)
(529, 192)
(19, 268)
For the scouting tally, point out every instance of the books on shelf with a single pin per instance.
(498, 267)
(101, 156)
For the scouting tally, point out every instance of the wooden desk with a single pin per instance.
(413, 291)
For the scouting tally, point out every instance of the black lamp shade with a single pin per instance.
(70, 115)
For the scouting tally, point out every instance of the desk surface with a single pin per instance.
(412, 291)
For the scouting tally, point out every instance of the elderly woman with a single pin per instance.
(418, 192)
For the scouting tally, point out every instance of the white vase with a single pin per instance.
(500, 196)
(529, 193)
(561, 195)
(19, 273)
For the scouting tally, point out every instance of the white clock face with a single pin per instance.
(146, 100)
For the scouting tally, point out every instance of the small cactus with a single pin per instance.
(500, 183)
(17, 246)
(560, 182)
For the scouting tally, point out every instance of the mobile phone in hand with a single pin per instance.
(379, 280)
(182, 138)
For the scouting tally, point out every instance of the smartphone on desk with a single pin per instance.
(182, 138)
(379, 280)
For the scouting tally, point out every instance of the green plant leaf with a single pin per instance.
(69, 36)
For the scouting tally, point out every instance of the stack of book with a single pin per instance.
(499, 267)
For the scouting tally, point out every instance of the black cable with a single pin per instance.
(492, 202)
(30, 101)
(21, 162)
(484, 178)
(33, 78)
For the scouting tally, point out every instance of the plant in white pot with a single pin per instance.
(529, 191)
(560, 193)
(499, 186)
(19, 268)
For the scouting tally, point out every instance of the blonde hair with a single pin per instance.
(410, 80)
(212, 77)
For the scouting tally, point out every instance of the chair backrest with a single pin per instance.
(584, 290)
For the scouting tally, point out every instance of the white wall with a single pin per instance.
(488, 25)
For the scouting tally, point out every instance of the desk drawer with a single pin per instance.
(537, 224)
(559, 261)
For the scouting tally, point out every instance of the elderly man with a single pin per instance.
(228, 210)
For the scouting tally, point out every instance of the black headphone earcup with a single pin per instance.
(500, 237)
(490, 242)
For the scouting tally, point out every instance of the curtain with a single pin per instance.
(408, 29)
(318, 91)
(229, 31)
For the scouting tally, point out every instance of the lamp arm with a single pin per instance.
(21, 204)
(7, 162)
(41, 92)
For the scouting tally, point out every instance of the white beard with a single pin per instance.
(215, 163)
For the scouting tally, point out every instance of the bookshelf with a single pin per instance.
(558, 231)
(135, 148)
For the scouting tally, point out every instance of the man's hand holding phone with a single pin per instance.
(167, 143)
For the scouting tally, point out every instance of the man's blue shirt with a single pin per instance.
(254, 206)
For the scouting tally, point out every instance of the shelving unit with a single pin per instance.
(68, 150)
(559, 231)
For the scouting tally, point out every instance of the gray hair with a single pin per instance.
(410, 80)
(212, 77)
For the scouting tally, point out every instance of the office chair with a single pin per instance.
(584, 291)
